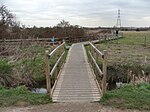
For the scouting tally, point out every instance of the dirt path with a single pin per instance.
(65, 107)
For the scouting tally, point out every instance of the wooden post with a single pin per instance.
(47, 70)
(133, 79)
(104, 73)
(145, 41)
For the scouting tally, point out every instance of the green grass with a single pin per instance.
(134, 38)
(127, 54)
(129, 97)
(6, 73)
(20, 96)
(28, 70)
(5, 68)
(35, 68)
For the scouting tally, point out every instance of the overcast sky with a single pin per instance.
(80, 12)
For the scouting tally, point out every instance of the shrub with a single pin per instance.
(6, 77)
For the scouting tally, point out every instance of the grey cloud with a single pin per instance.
(90, 12)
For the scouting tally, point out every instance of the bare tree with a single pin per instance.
(63, 24)
(7, 18)
(8, 23)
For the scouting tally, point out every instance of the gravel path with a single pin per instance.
(66, 107)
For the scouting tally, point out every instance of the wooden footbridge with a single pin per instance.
(76, 81)
(79, 79)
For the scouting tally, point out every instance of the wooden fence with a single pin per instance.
(47, 41)
(54, 62)
(41, 41)
(110, 37)
(94, 56)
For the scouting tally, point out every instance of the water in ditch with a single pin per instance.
(39, 90)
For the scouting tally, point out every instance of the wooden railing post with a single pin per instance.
(104, 73)
(47, 71)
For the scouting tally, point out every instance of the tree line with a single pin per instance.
(10, 28)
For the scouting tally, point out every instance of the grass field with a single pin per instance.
(129, 97)
(136, 38)
(131, 48)
(128, 55)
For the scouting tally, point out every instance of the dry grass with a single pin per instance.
(129, 55)
(129, 49)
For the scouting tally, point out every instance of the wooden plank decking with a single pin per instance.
(76, 82)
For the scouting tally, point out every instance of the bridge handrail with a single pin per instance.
(53, 52)
(56, 64)
(94, 54)
(97, 51)
(52, 74)
(99, 70)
